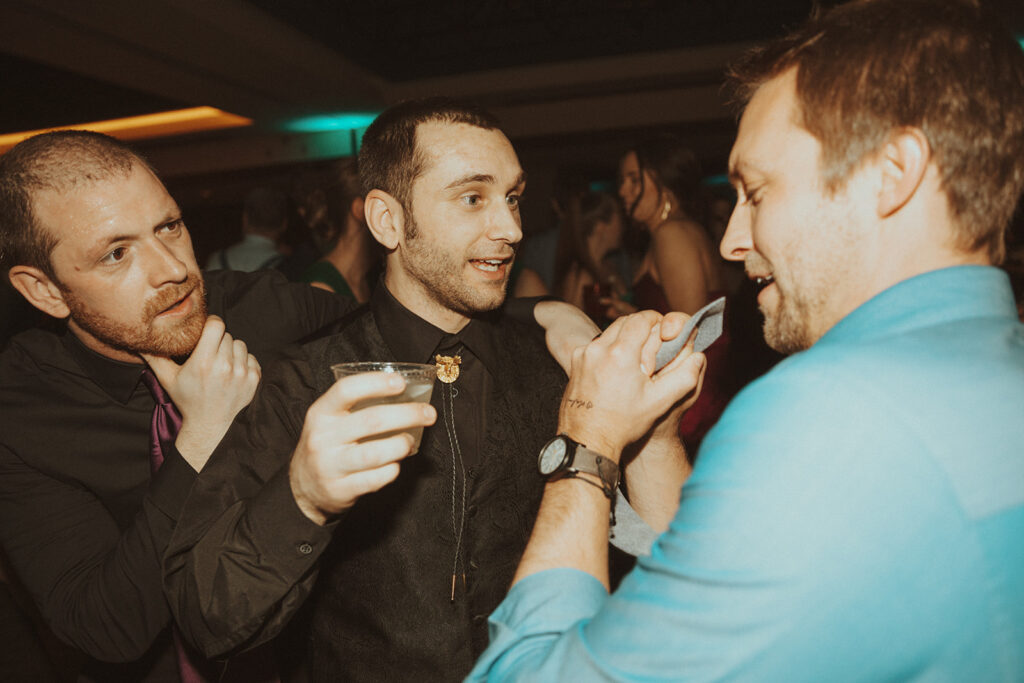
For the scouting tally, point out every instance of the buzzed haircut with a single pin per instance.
(389, 159)
(868, 68)
(58, 161)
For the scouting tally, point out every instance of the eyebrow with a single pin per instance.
(739, 169)
(483, 178)
(101, 246)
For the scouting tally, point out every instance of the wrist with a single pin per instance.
(593, 440)
(302, 501)
(195, 449)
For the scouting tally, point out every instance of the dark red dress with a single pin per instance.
(714, 395)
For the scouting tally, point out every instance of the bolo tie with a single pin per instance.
(448, 372)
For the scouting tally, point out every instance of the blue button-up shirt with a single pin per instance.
(856, 514)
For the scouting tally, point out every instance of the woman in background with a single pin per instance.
(660, 189)
(334, 214)
(592, 229)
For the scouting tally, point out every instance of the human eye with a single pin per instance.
(172, 227)
(114, 256)
(749, 195)
(471, 199)
(513, 200)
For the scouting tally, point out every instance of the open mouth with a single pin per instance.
(490, 265)
(178, 307)
(761, 282)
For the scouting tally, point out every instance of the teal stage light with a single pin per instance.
(325, 122)
(715, 180)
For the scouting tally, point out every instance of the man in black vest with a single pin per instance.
(401, 565)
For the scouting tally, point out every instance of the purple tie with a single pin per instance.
(163, 430)
(166, 424)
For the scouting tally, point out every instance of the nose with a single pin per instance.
(164, 264)
(506, 225)
(737, 240)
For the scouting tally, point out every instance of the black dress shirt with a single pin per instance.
(83, 521)
(244, 558)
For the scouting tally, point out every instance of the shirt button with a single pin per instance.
(305, 548)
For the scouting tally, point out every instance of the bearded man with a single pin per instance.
(90, 236)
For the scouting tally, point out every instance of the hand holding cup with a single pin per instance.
(353, 439)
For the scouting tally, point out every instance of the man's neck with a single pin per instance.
(93, 344)
(418, 300)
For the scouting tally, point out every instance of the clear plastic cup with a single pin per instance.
(419, 385)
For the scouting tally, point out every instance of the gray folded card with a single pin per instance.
(708, 322)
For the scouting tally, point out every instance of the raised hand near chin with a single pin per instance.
(209, 389)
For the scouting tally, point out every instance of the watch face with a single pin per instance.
(552, 456)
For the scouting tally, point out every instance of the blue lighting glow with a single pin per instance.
(715, 180)
(350, 120)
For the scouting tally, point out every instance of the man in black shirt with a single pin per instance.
(89, 235)
(402, 581)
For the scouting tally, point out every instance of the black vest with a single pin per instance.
(382, 608)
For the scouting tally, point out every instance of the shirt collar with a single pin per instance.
(935, 297)
(412, 339)
(116, 378)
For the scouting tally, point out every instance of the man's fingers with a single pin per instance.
(239, 353)
(368, 481)
(680, 377)
(368, 423)
(672, 324)
(354, 389)
(649, 351)
(210, 339)
(374, 453)
(165, 369)
(333, 430)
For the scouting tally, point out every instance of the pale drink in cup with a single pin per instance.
(419, 385)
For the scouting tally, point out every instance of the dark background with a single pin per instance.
(574, 81)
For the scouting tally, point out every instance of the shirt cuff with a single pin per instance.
(172, 483)
(282, 531)
(544, 605)
(631, 534)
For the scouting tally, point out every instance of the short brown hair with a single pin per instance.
(56, 161)
(870, 67)
(389, 160)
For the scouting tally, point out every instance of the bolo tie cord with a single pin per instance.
(449, 392)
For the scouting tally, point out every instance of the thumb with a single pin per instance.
(165, 369)
(682, 377)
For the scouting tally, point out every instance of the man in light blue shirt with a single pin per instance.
(857, 513)
(264, 221)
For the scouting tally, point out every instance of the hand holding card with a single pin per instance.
(707, 322)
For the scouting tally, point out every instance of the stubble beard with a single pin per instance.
(166, 338)
(786, 327)
(440, 276)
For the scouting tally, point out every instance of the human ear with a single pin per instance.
(358, 209)
(384, 217)
(905, 159)
(39, 290)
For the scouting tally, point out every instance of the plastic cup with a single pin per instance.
(419, 385)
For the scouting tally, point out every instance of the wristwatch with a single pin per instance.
(563, 457)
